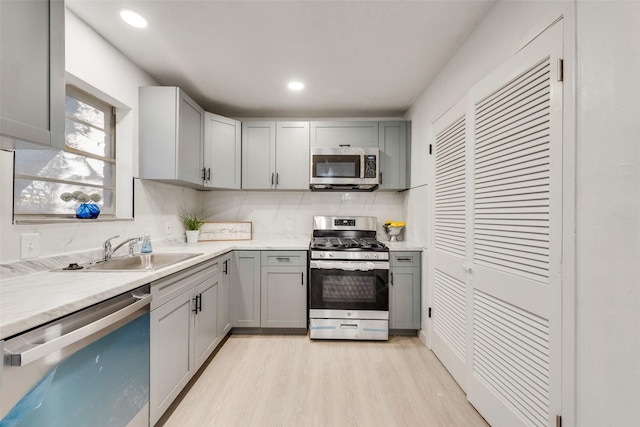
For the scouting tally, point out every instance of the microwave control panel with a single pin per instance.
(370, 166)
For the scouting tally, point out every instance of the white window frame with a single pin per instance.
(110, 110)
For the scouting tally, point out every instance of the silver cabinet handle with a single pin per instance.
(272, 175)
(42, 350)
(404, 259)
(277, 175)
(302, 279)
(283, 259)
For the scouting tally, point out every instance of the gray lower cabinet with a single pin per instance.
(224, 298)
(245, 289)
(183, 330)
(344, 133)
(395, 155)
(32, 80)
(283, 285)
(222, 149)
(404, 290)
(171, 136)
(275, 155)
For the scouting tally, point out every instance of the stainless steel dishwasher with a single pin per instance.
(90, 368)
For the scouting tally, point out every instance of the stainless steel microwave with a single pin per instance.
(344, 169)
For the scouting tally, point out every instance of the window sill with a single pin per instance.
(21, 220)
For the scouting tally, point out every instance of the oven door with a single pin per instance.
(349, 285)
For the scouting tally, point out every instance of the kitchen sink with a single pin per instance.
(142, 262)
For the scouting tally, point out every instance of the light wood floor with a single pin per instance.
(292, 381)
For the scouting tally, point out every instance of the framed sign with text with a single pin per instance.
(211, 231)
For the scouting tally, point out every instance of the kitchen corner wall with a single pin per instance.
(279, 212)
(111, 75)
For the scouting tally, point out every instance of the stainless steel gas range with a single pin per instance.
(348, 280)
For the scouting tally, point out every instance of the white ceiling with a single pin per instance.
(356, 58)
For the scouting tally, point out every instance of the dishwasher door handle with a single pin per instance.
(27, 356)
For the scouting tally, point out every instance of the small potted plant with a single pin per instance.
(192, 224)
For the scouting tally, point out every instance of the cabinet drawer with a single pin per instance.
(405, 259)
(167, 288)
(284, 258)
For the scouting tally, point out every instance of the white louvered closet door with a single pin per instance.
(448, 275)
(514, 299)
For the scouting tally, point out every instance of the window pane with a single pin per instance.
(42, 197)
(85, 112)
(86, 138)
(64, 166)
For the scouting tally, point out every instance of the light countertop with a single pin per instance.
(30, 300)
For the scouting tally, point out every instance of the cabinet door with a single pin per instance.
(245, 289)
(284, 297)
(171, 136)
(190, 140)
(353, 134)
(404, 298)
(32, 81)
(258, 155)
(222, 145)
(205, 318)
(292, 156)
(171, 361)
(405, 290)
(224, 299)
(394, 158)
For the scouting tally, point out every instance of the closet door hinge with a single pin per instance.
(558, 421)
(560, 69)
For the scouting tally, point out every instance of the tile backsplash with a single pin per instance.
(280, 212)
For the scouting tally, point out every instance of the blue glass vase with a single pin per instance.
(88, 211)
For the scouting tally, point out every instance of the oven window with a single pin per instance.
(334, 289)
(335, 166)
(356, 289)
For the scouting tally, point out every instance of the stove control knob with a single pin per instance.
(321, 254)
(332, 255)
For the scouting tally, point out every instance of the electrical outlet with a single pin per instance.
(167, 227)
(29, 245)
(289, 225)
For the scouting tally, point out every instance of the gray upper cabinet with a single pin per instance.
(336, 134)
(292, 155)
(275, 156)
(258, 155)
(171, 136)
(222, 148)
(32, 81)
(394, 155)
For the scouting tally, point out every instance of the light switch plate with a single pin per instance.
(29, 245)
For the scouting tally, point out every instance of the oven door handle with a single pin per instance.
(350, 265)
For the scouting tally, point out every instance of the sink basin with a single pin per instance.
(142, 262)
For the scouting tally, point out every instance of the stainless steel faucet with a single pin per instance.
(108, 252)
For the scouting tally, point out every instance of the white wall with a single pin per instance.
(94, 65)
(608, 213)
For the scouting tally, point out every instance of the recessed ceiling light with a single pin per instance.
(133, 19)
(296, 85)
